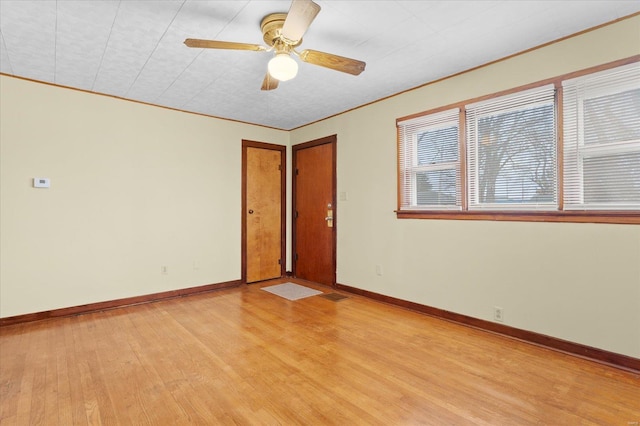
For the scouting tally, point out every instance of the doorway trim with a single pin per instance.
(283, 204)
(294, 149)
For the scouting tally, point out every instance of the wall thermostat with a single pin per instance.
(41, 183)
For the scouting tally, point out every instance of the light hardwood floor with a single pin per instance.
(245, 356)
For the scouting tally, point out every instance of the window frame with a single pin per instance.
(602, 150)
(559, 215)
(415, 168)
(472, 145)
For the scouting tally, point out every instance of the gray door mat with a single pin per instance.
(291, 291)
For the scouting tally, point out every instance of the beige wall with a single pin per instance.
(579, 282)
(136, 187)
(133, 188)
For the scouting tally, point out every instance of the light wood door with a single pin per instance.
(263, 214)
(314, 186)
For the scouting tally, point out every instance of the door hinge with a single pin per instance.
(279, 261)
(296, 257)
(280, 167)
(297, 172)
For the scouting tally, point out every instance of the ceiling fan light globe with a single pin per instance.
(282, 67)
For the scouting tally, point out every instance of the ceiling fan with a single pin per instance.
(282, 32)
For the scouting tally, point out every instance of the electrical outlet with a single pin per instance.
(498, 314)
(164, 270)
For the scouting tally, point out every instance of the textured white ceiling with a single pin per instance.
(134, 48)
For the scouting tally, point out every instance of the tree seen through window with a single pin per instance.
(516, 156)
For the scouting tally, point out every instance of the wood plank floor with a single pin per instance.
(245, 356)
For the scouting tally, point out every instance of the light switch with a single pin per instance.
(41, 183)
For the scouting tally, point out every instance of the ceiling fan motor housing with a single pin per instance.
(271, 27)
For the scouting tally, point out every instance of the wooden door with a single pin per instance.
(263, 218)
(314, 211)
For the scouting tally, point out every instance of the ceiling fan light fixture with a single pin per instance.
(283, 67)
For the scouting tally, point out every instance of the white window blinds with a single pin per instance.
(601, 114)
(429, 161)
(511, 152)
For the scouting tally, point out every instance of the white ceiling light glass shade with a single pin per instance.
(283, 67)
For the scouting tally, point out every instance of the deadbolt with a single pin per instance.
(250, 211)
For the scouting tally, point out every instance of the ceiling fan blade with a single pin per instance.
(301, 15)
(269, 83)
(215, 44)
(335, 62)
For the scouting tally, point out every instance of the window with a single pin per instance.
(511, 151)
(430, 161)
(506, 156)
(602, 140)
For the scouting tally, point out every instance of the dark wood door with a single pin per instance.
(314, 212)
(263, 211)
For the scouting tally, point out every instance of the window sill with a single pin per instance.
(626, 217)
